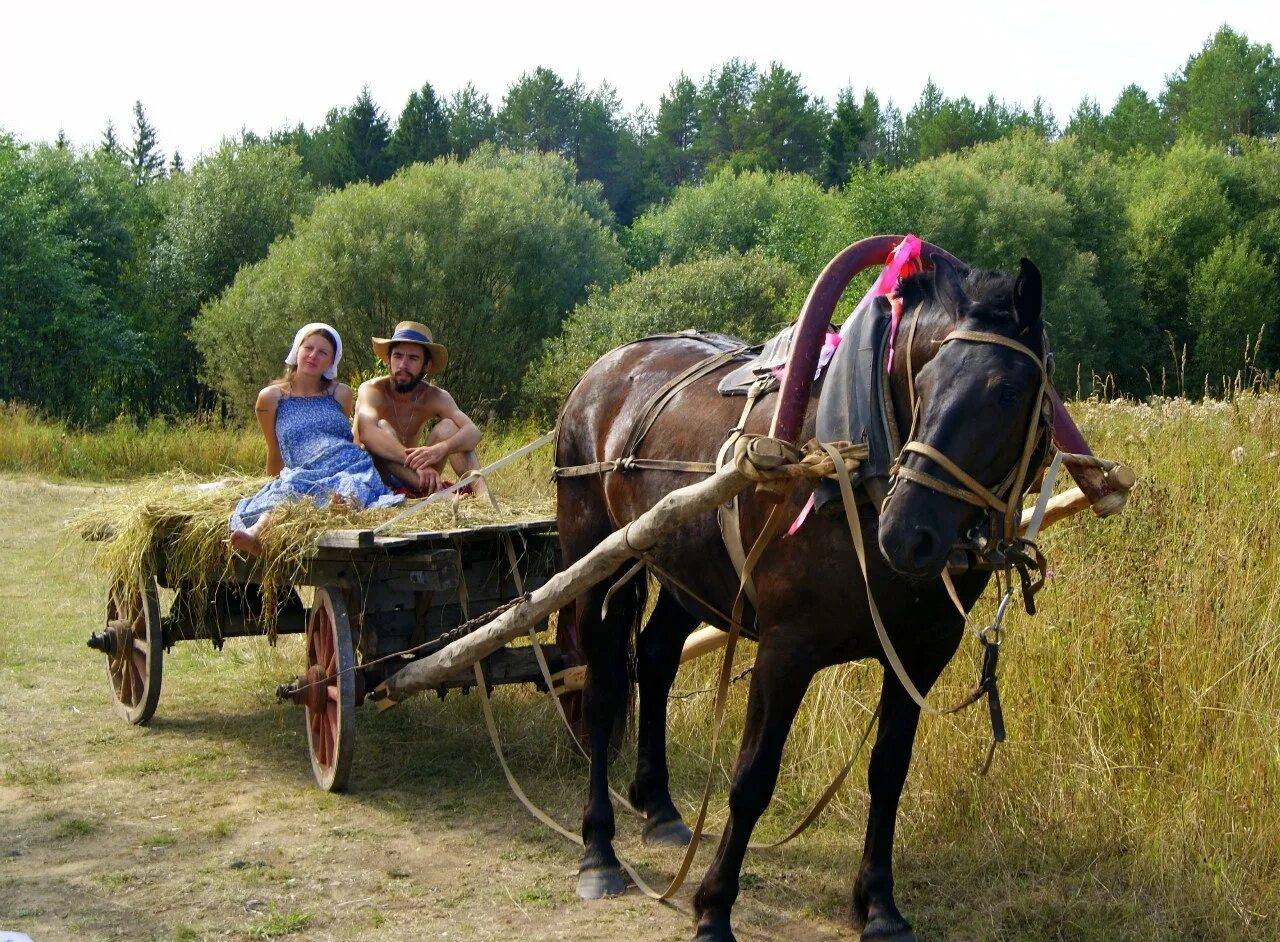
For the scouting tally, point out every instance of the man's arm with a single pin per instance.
(465, 439)
(369, 433)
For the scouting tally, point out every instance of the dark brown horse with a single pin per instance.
(976, 404)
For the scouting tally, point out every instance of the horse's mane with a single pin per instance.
(991, 291)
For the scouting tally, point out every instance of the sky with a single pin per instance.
(204, 71)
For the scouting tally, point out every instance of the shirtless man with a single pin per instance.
(391, 412)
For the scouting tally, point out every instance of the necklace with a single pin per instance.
(395, 411)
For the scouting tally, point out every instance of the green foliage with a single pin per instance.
(1231, 87)
(1135, 122)
(1178, 213)
(490, 253)
(470, 121)
(740, 294)
(422, 132)
(1233, 301)
(788, 126)
(788, 215)
(223, 214)
(146, 160)
(61, 341)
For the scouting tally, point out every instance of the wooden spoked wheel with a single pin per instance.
(329, 691)
(135, 661)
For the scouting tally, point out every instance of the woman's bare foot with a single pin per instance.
(245, 542)
(249, 541)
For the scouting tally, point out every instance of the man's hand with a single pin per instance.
(426, 456)
(428, 480)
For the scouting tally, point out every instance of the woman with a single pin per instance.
(306, 420)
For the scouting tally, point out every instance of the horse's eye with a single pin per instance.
(1008, 394)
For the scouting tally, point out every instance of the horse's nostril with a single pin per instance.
(924, 543)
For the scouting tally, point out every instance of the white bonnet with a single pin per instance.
(307, 330)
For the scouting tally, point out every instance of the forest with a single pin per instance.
(535, 233)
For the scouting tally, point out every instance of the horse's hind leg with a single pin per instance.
(778, 684)
(658, 659)
(605, 642)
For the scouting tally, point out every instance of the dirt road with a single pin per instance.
(206, 824)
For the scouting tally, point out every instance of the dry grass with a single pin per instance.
(1134, 800)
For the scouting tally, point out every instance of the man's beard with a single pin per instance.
(408, 386)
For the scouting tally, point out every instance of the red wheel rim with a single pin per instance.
(322, 654)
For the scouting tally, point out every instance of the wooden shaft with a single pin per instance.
(1092, 481)
(650, 528)
(703, 641)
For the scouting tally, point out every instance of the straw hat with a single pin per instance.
(412, 332)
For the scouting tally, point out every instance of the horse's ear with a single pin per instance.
(1027, 293)
(946, 282)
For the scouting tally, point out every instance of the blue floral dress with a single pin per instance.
(320, 460)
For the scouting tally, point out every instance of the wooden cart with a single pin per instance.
(368, 605)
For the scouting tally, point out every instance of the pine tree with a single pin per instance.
(146, 160)
(362, 141)
(787, 126)
(845, 135)
(470, 119)
(176, 165)
(675, 133)
(110, 144)
(422, 133)
(61, 142)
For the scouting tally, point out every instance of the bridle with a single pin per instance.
(1002, 502)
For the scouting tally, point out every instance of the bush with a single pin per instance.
(741, 294)
(490, 253)
(789, 216)
(1233, 300)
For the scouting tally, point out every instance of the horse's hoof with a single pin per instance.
(887, 930)
(599, 882)
(672, 833)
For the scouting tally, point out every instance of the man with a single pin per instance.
(391, 412)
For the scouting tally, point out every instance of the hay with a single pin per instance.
(186, 520)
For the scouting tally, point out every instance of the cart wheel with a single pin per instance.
(330, 702)
(135, 649)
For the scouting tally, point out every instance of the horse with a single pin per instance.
(972, 402)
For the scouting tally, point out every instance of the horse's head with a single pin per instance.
(970, 382)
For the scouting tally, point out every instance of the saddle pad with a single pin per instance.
(772, 355)
(852, 403)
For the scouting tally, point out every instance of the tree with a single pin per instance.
(363, 139)
(741, 294)
(176, 166)
(673, 156)
(1233, 301)
(1134, 123)
(422, 132)
(925, 110)
(790, 216)
(787, 126)
(846, 134)
(224, 214)
(110, 144)
(541, 112)
(492, 252)
(61, 341)
(145, 157)
(869, 148)
(1231, 87)
(470, 121)
(724, 112)
(1085, 123)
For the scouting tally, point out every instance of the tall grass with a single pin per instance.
(1136, 796)
(125, 449)
(1143, 702)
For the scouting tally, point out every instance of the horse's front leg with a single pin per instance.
(874, 909)
(657, 660)
(778, 684)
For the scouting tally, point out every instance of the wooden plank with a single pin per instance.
(346, 539)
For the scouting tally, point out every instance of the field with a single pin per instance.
(1134, 800)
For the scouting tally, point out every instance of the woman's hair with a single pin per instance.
(287, 377)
